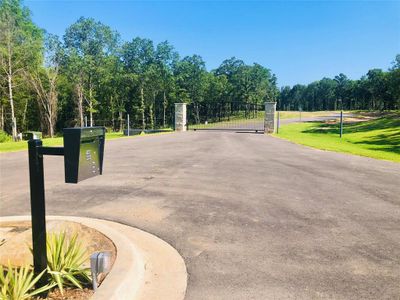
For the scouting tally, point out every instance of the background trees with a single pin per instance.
(377, 90)
(20, 48)
(88, 44)
(47, 83)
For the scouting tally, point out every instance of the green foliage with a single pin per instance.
(4, 137)
(91, 73)
(21, 43)
(57, 141)
(23, 145)
(18, 283)
(378, 138)
(65, 259)
(377, 90)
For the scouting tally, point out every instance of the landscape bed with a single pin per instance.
(63, 253)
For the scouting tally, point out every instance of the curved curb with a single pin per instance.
(146, 267)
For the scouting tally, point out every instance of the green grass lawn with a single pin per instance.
(379, 138)
(57, 141)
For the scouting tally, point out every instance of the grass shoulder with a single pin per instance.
(53, 142)
(377, 138)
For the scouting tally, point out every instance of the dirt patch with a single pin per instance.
(70, 294)
(147, 211)
(351, 120)
(16, 239)
(379, 114)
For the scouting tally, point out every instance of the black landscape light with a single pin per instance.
(83, 153)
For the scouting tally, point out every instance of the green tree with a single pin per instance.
(377, 87)
(43, 80)
(88, 43)
(165, 59)
(393, 81)
(190, 75)
(138, 56)
(342, 89)
(20, 49)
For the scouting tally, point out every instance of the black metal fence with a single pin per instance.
(158, 119)
(236, 116)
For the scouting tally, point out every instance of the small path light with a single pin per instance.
(100, 262)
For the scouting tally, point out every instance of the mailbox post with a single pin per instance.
(83, 158)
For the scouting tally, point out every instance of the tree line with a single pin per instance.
(48, 83)
(377, 90)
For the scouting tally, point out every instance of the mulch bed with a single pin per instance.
(70, 294)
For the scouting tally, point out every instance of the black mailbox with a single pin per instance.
(31, 135)
(83, 153)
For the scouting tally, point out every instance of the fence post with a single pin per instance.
(180, 117)
(341, 123)
(278, 122)
(85, 121)
(270, 120)
(128, 128)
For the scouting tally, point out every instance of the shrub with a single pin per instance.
(18, 283)
(65, 259)
(4, 137)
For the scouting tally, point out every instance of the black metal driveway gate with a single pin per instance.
(235, 116)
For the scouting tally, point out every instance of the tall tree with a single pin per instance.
(44, 82)
(138, 56)
(341, 89)
(377, 86)
(394, 83)
(165, 59)
(190, 75)
(20, 48)
(87, 44)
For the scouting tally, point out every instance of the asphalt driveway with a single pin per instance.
(254, 217)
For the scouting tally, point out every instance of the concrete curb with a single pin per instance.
(146, 267)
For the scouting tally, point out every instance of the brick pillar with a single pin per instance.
(270, 120)
(180, 116)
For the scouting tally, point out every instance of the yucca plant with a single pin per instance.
(18, 283)
(64, 261)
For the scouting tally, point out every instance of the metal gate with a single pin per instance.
(235, 116)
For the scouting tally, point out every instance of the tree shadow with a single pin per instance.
(382, 123)
(388, 140)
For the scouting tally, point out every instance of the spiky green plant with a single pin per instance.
(18, 283)
(64, 261)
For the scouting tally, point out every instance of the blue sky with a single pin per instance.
(300, 41)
